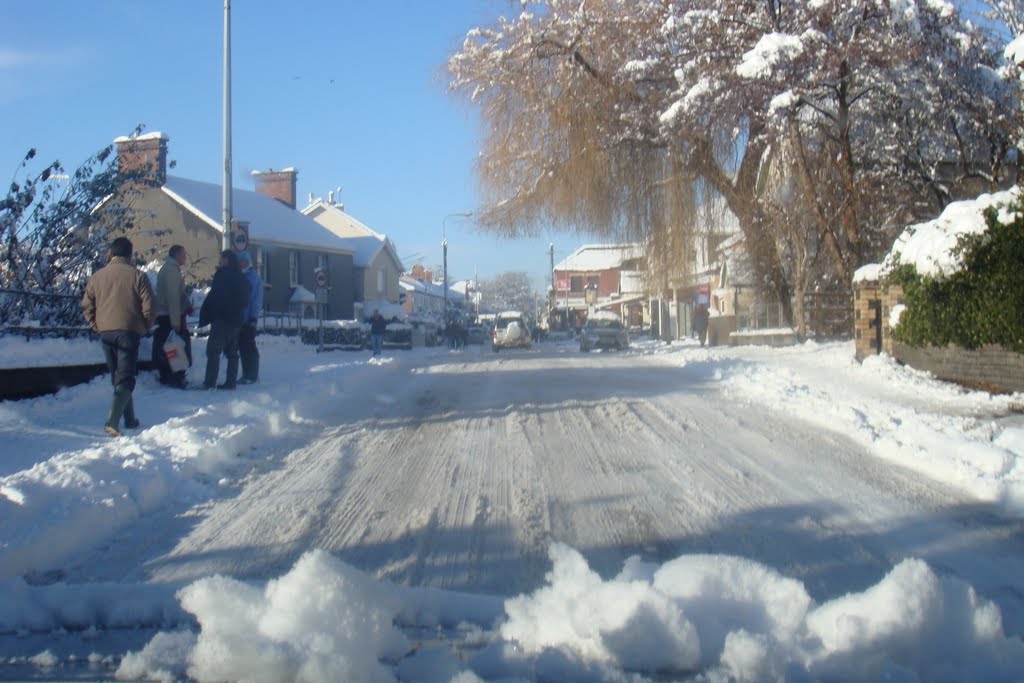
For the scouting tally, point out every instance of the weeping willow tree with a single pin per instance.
(570, 100)
(619, 117)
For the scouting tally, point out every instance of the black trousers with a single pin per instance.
(121, 350)
(223, 339)
(250, 355)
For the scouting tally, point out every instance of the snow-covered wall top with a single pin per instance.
(928, 246)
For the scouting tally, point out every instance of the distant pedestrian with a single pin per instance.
(250, 355)
(224, 311)
(700, 318)
(119, 305)
(378, 325)
(172, 305)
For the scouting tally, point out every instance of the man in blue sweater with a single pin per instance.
(250, 355)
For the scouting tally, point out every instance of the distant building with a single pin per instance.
(424, 298)
(288, 247)
(606, 276)
(375, 262)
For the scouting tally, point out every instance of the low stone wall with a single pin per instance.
(19, 383)
(763, 338)
(988, 367)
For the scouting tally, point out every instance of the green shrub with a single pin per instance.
(983, 303)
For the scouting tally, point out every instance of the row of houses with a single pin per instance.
(315, 261)
(321, 261)
(616, 278)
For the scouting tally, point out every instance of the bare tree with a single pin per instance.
(52, 235)
(509, 291)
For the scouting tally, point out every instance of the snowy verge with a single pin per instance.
(898, 413)
(78, 487)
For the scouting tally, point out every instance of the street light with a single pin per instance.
(444, 251)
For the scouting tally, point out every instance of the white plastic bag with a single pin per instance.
(174, 349)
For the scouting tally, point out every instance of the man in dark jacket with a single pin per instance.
(378, 325)
(224, 311)
(119, 305)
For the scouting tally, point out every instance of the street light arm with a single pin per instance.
(461, 214)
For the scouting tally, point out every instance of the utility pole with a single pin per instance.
(226, 215)
(444, 249)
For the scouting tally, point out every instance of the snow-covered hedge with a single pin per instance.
(962, 277)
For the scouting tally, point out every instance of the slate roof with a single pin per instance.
(270, 221)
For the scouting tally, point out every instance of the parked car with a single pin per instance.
(603, 333)
(476, 334)
(510, 332)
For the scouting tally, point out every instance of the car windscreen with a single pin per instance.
(604, 324)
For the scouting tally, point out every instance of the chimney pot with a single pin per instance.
(278, 184)
(145, 155)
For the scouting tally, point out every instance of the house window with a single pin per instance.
(262, 263)
(321, 261)
(293, 269)
(593, 281)
(576, 283)
(380, 282)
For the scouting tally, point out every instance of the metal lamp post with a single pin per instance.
(444, 252)
(226, 208)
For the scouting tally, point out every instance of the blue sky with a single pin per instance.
(351, 94)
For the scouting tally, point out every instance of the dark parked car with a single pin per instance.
(476, 334)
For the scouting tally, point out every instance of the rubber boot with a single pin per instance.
(130, 420)
(117, 406)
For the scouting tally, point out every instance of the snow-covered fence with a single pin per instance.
(41, 314)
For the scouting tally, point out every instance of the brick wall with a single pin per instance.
(989, 367)
(872, 307)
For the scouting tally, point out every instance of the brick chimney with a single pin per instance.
(144, 154)
(277, 184)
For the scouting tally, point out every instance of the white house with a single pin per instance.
(375, 263)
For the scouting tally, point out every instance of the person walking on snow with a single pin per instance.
(701, 314)
(172, 305)
(377, 327)
(250, 355)
(118, 304)
(224, 311)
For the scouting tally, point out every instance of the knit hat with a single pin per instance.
(244, 256)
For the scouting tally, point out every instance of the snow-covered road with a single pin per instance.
(458, 471)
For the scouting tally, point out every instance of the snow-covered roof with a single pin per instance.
(928, 246)
(270, 221)
(412, 284)
(595, 257)
(368, 242)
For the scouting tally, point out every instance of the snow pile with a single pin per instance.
(928, 246)
(322, 621)
(727, 618)
(68, 489)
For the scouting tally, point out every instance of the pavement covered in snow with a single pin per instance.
(668, 513)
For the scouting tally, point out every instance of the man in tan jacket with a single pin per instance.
(172, 304)
(118, 304)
